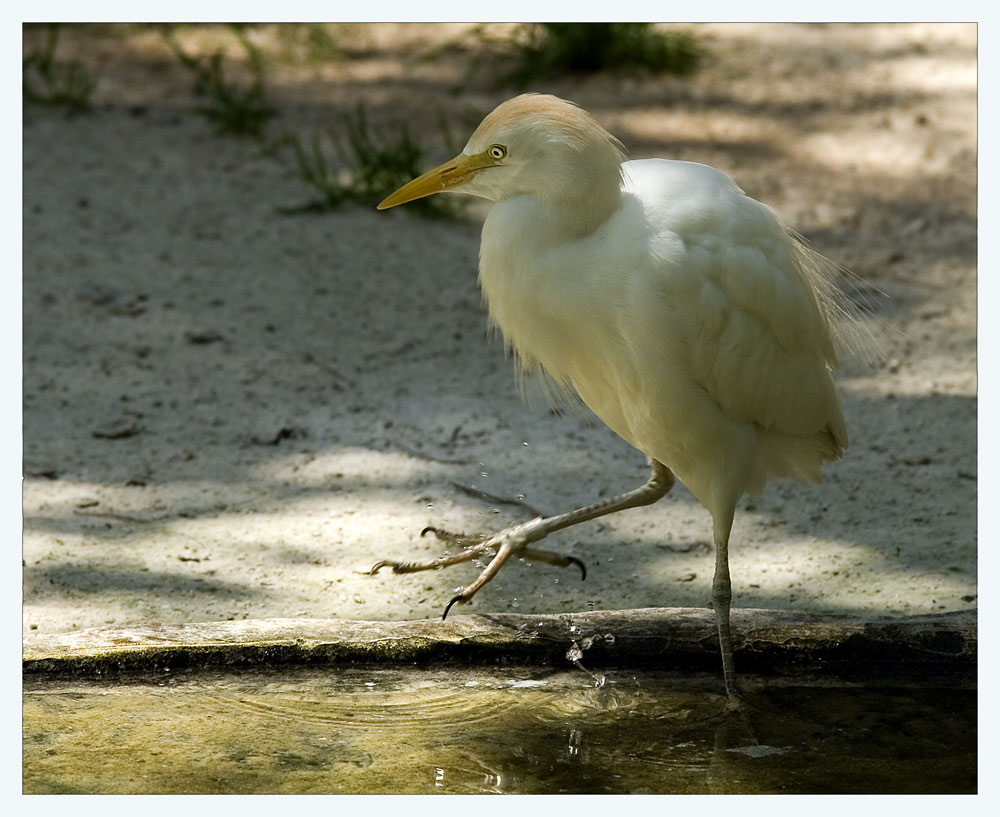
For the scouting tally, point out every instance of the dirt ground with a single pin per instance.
(228, 411)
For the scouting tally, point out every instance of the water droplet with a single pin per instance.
(575, 739)
(610, 638)
(574, 653)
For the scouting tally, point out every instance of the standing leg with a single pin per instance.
(722, 594)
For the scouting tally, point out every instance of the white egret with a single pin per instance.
(681, 311)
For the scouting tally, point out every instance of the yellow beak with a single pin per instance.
(451, 174)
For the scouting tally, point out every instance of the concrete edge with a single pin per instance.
(650, 637)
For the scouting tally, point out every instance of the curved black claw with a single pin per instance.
(451, 603)
(444, 535)
(579, 564)
(452, 538)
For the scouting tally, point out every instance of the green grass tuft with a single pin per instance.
(233, 110)
(555, 48)
(309, 43)
(370, 168)
(46, 81)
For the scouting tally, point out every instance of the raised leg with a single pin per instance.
(514, 541)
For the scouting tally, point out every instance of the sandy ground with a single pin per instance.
(227, 411)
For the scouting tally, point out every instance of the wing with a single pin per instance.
(737, 306)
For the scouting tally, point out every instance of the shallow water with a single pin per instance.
(494, 729)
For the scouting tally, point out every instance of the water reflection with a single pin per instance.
(488, 730)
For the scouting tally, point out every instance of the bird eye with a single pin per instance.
(497, 152)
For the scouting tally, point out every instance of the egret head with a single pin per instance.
(533, 144)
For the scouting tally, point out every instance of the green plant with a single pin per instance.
(309, 42)
(233, 110)
(370, 168)
(50, 82)
(554, 48)
(310, 159)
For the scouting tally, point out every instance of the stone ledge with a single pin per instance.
(651, 637)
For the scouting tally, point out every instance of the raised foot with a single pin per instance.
(512, 541)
